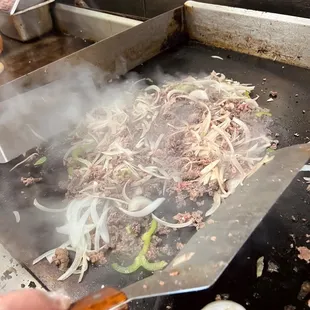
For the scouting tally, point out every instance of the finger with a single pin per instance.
(34, 300)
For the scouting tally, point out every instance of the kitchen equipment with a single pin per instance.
(202, 260)
(109, 298)
(29, 23)
(25, 4)
(105, 299)
(12, 6)
(9, 6)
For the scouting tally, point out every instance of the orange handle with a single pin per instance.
(104, 299)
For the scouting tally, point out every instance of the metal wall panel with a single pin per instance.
(289, 7)
(156, 7)
(151, 8)
(128, 7)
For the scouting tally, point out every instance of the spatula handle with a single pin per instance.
(104, 299)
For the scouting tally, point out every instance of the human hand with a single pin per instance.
(31, 299)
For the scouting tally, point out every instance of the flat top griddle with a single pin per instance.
(35, 233)
(22, 58)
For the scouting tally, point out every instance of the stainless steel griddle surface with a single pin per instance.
(22, 58)
(35, 232)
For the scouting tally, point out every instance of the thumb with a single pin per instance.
(34, 300)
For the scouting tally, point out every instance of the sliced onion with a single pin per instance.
(215, 205)
(84, 267)
(44, 255)
(266, 159)
(93, 211)
(25, 160)
(45, 209)
(49, 253)
(75, 207)
(102, 229)
(124, 192)
(138, 203)
(65, 229)
(49, 258)
(17, 216)
(217, 57)
(146, 211)
(199, 94)
(69, 151)
(307, 179)
(208, 168)
(88, 241)
(74, 266)
(77, 229)
(172, 225)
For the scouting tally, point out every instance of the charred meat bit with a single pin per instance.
(174, 273)
(274, 144)
(136, 228)
(304, 290)
(163, 230)
(167, 250)
(97, 258)
(30, 180)
(179, 246)
(273, 94)
(152, 253)
(196, 217)
(61, 259)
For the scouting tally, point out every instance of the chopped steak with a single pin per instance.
(61, 259)
(97, 258)
(30, 180)
(196, 217)
(179, 246)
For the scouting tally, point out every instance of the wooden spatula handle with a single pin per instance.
(104, 299)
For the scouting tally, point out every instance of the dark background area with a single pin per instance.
(151, 8)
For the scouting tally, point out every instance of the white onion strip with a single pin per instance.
(102, 229)
(146, 211)
(17, 216)
(30, 157)
(138, 203)
(65, 229)
(93, 211)
(84, 267)
(49, 253)
(172, 225)
(44, 255)
(74, 266)
(208, 168)
(45, 209)
(77, 229)
(215, 205)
